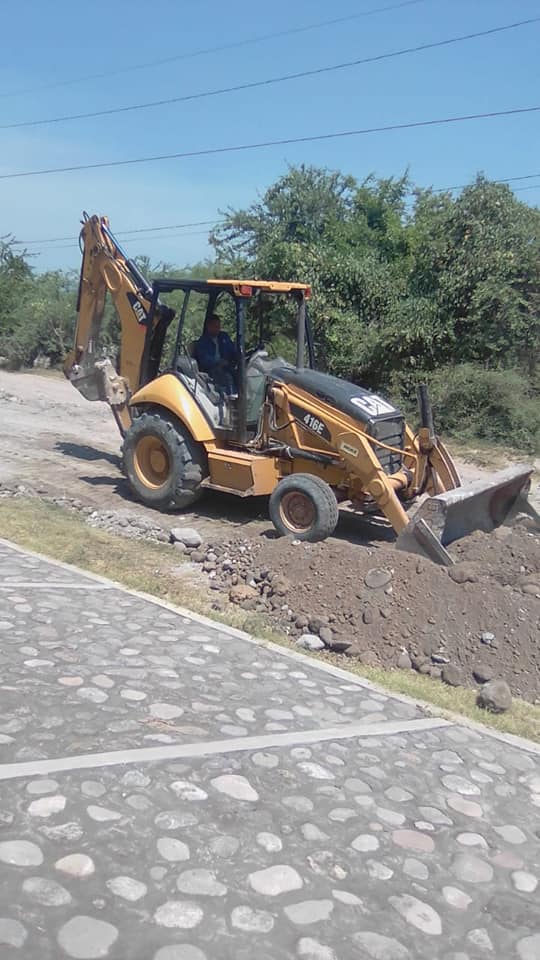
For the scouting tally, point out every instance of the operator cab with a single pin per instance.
(230, 338)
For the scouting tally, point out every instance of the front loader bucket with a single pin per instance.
(481, 505)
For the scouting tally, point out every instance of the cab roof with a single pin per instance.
(238, 288)
(272, 286)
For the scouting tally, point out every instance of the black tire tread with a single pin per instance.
(327, 512)
(187, 455)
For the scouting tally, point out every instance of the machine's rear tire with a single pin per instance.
(162, 462)
(304, 507)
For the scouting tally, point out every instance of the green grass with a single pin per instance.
(523, 720)
(153, 569)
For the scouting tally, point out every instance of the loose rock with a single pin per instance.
(369, 658)
(452, 675)
(376, 579)
(495, 696)
(241, 593)
(462, 573)
(186, 535)
(488, 638)
(404, 662)
(483, 673)
(339, 644)
(310, 642)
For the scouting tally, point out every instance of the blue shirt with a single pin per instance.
(206, 354)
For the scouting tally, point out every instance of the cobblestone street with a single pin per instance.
(172, 790)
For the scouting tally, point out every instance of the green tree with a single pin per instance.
(348, 240)
(478, 261)
(15, 280)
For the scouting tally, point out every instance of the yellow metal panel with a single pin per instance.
(272, 286)
(241, 473)
(170, 393)
(334, 476)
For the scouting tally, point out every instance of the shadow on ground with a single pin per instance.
(220, 508)
(82, 451)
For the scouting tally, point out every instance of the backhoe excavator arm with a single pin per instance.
(143, 323)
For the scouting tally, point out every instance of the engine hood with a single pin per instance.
(355, 401)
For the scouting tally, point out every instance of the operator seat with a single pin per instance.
(188, 366)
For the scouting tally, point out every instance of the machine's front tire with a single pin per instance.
(304, 507)
(162, 462)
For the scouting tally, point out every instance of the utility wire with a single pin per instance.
(216, 223)
(193, 233)
(217, 49)
(199, 233)
(534, 186)
(461, 186)
(204, 233)
(254, 84)
(287, 141)
(125, 233)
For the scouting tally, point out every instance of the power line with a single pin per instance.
(462, 186)
(535, 186)
(215, 223)
(125, 233)
(286, 141)
(255, 84)
(204, 233)
(217, 49)
(170, 236)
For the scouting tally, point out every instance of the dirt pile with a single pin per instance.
(468, 624)
(464, 624)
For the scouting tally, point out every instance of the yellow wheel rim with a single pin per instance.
(297, 511)
(151, 461)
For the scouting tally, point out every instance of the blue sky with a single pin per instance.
(61, 40)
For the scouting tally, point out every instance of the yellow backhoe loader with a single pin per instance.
(308, 440)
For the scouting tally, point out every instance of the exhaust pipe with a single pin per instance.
(426, 411)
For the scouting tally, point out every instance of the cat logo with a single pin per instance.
(138, 309)
(373, 405)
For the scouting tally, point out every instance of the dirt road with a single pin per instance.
(58, 443)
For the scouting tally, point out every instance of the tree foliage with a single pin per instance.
(403, 279)
(407, 283)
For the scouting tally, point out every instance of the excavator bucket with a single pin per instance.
(480, 505)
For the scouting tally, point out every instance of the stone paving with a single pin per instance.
(238, 802)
